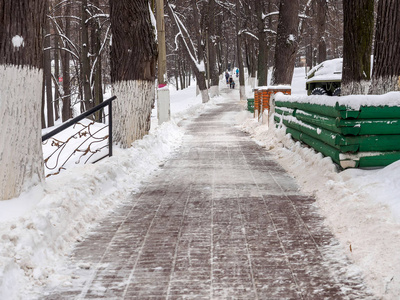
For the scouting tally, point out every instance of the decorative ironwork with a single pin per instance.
(89, 139)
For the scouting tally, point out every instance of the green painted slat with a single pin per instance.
(280, 111)
(250, 105)
(316, 144)
(371, 126)
(379, 112)
(318, 120)
(326, 136)
(384, 159)
(368, 143)
(329, 111)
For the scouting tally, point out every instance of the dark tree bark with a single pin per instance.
(386, 71)
(212, 58)
(13, 23)
(322, 8)
(263, 50)
(66, 98)
(48, 82)
(242, 92)
(97, 61)
(286, 42)
(56, 79)
(133, 45)
(21, 78)
(133, 69)
(357, 47)
(85, 60)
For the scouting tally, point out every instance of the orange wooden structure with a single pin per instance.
(262, 97)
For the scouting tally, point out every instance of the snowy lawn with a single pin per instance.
(38, 228)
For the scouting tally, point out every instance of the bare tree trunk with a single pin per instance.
(212, 60)
(97, 61)
(85, 60)
(242, 88)
(21, 77)
(66, 100)
(286, 42)
(190, 52)
(386, 72)
(133, 69)
(47, 73)
(357, 47)
(262, 69)
(56, 78)
(322, 8)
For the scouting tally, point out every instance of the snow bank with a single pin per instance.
(360, 206)
(38, 228)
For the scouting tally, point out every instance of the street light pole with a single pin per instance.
(163, 101)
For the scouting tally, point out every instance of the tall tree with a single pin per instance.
(21, 76)
(263, 50)
(192, 53)
(66, 97)
(242, 88)
(85, 59)
(357, 47)
(386, 71)
(212, 55)
(322, 7)
(48, 82)
(286, 42)
(133, 67)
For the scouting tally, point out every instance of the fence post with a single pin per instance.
(110, 144)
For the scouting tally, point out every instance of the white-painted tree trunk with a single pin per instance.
(355, 88)
(214, 91)
(383, 85)
(204, 96)
(252, 82)
(21, 156)
(163, 105)
(242, 93)
(132, 110)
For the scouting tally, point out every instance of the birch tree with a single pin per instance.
(21, 77)
(133, 62)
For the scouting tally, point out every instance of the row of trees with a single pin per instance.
(133, 55)
(203, 38)
(77, 39)
(213, 36)
(76, 56)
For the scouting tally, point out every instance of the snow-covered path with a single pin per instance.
(220, 220)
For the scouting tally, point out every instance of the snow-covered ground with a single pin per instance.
(38, 228)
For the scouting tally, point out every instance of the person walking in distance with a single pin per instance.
(231, 83)
(227, 77)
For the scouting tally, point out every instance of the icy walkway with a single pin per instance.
(221, 220)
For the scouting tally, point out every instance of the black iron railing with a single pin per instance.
(89, 139)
